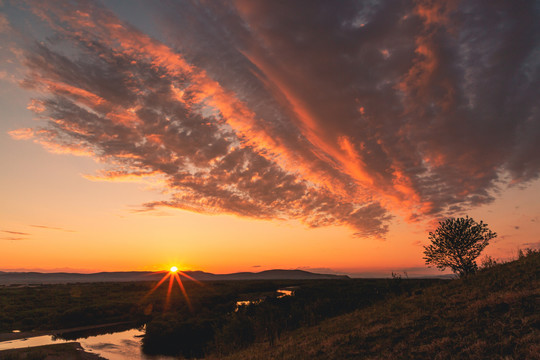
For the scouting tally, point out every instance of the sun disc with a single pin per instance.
(174, 269)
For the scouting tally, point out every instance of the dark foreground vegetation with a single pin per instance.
(493, 314)
(216, 326)
(213, 325)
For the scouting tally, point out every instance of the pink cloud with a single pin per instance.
(281, 111)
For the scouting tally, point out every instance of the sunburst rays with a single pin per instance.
(173, 274)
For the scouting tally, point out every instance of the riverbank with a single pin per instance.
(29, 334)
(65, 351)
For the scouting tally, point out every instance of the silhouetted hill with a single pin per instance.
(491, 315)
(280, 275)
(7, 278)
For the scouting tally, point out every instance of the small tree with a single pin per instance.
(456, 244)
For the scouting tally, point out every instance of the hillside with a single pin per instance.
(491, 315)
(12, 278)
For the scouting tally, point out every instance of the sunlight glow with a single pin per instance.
(172, 275)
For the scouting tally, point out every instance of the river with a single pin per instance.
(115, 345)
(121, 345)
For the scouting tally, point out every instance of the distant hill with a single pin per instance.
(279, 275)
(494, 314)
(28, 278)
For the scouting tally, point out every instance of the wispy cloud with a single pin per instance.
(333, 114)
(15, 232)
(4, 23)
(14, 235)
(51, 228)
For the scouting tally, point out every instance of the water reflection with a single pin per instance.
(85, 333)
(122, 345)
(241, 303)
(284, 292)
(281, 293)
(29, 342)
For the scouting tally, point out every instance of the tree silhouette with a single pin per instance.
(456, 244)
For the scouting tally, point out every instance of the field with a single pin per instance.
(492, 315)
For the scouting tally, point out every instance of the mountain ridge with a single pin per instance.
(33, 278)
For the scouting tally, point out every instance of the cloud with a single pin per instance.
(4, 23)
(51, 228)
(22, 134)
(50, 270)
(14, 235)
(15, 232)
(333, 114)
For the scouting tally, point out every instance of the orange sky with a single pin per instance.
(106, 235)
(256, 141)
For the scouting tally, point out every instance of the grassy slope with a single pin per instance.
(492, 315)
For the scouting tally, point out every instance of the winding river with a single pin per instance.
(121, 345)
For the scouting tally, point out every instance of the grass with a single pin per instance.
(493, 314)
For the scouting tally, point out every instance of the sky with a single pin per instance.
(249, 135)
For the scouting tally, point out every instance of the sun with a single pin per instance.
(173, 274)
